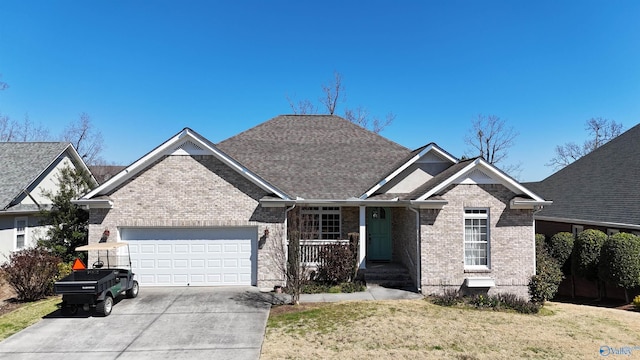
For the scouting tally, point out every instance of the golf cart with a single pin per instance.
(99, 286)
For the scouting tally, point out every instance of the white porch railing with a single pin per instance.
(310, 250)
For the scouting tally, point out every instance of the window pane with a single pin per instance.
(20, 241)
(475, 237)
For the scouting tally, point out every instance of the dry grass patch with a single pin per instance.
(412, 329)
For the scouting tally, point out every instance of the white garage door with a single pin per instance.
(193, 256)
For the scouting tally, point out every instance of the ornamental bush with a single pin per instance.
(586, 253)
(560, 246)
(620, 261)
(31, 273)
(336, 264)
(544, 285)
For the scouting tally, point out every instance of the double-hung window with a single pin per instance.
(21, 232)
(476, 238)
(320, 222)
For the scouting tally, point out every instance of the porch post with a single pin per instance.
(362, 251)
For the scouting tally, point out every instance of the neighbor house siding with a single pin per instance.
(511, 245)
(193, 191)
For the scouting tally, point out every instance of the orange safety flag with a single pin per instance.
(79, 265)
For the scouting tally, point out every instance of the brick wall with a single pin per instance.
(193, 191)
(511, 245)
(403, 224)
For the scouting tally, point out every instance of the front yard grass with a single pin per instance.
(418, 329)
(26, 315)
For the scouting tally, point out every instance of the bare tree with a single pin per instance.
(286, 255)
(85, 138)
(11, 130)
(491, 138)
(302, 107)
(333, 93)
(360, 116)
(600, 132)
(3, 85)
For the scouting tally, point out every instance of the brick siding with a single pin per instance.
(511, 243)
(193, 191)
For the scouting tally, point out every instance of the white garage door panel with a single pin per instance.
(194, 257)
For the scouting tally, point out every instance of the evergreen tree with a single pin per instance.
(68, 223)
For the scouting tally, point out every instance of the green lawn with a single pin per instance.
(417, 329)
(26, 315)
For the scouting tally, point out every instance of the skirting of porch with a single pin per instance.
(388, 275)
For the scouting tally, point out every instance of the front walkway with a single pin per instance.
(371, 293)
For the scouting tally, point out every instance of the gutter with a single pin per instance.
(588, 222)
(395, 202)
(528, 204)
(94, 203)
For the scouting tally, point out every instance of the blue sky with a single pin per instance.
(143, 70)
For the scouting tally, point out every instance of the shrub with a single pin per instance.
(31, 273)
(483, 301)
(586, 253)
(449, 297)
(336, 264)
(351, 287)
(636, 302)
(514, 302)
(544, 285)
(620, 261)
(560, 247)
(505, 301)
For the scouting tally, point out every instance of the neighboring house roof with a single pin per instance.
(103, 173)
(601, 187)
(315, 156)
(22, 163)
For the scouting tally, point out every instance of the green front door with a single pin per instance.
(378, 234)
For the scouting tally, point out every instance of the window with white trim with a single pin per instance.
(476, 238)
(320, 222)
(21, 232)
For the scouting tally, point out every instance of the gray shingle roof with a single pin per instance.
(21, 163)
(603, 186)
(315, 156)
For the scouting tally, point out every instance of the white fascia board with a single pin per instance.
(441, 152)
(587, 222)
(72, 154)
(94, 203)
(448, 181)
(528, 204)
(428, 204)
(401, 168)
(507, 181)
(161, 150)
(136, 167)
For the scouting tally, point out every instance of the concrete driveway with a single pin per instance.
(161, 323)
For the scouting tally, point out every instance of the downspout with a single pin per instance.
(418, 251)
(286, 239)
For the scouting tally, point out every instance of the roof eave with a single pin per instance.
(588, 222)
(94, 203)
(396, 202)
(528, 204)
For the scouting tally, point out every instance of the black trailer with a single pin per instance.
(96, 287)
